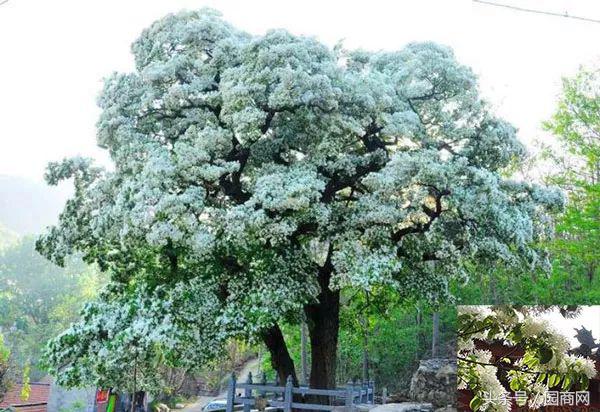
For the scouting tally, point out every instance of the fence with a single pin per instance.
(283, 396)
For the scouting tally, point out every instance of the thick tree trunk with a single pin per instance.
(281, 361)
(591, 270)
(323, 320)
(323, 328)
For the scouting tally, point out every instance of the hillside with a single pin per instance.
(7, 237)
(26, 206)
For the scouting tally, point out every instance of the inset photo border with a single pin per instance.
(528, 358)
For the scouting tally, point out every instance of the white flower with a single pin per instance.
(533, 327)
(581, 365)
(233, 153)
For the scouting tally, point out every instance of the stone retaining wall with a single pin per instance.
(435, 382)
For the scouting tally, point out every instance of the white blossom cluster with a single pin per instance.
(488, 381)
(245, 163)
(580, 365)
(126, 333)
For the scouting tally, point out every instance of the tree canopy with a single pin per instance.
(257, 176)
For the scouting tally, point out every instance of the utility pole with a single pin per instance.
(304, 352)
(435, 335)
(365, 358)
(418, 320)
(134, 385)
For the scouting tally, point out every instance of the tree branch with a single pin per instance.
(498, 365)
(433, 214)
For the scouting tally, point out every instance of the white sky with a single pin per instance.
(54, 53)
(589, 318)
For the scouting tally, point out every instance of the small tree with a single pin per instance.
(5, 369)
(576, 160)
(257, 178)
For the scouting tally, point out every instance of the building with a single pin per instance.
(37, 402)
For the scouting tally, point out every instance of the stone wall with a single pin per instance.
(435, 382)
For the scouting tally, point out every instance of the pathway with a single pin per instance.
(250, 366)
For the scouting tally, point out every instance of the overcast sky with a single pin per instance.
(54, 53)
(588, 318)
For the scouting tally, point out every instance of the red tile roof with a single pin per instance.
(37, 402)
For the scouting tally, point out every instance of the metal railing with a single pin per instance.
(271, 395)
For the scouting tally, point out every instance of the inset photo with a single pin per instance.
(519, 358)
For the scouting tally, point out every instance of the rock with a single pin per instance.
(361, 407)
(404, 407)
(161, 407)
(364, 407)
(179, 406)
(341, 409)
(447, 409)
(435, 382)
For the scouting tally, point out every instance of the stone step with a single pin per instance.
(404, 407)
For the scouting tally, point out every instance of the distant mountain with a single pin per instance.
(7, 237)
(28, 207)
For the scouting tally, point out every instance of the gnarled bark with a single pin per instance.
(281, 360)
(323, 318)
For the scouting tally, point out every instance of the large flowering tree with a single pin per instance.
(544, 361)
(256, 178)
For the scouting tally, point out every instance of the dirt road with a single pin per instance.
(250, 366)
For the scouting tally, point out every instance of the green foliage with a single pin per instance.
(396, 343)
(5, 368)
(504, 285)
(576, 125)
(39, 299)
(397, 340)
(25, 381)
(76, 406)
